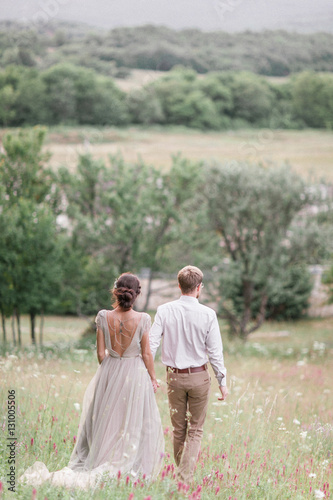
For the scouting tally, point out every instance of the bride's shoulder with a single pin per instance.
(146, 317)
(102, 313)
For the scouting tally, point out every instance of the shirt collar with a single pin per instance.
(188, 298)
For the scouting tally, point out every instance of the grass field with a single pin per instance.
(271, 439)
(309, 152)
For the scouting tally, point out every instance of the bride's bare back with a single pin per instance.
(122, 328)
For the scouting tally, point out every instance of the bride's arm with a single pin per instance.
(100, 345)
(148, 359)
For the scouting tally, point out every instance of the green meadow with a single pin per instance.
(271, 439)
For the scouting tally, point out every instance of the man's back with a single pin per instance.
(185, 325)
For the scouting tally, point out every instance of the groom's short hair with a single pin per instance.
(189, 277)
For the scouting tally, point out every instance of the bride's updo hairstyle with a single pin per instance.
(125, 290)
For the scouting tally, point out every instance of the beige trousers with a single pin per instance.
(188, 395)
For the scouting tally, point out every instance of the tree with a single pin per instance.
(122, 217)
(7, 100)
(29, 243)
(252, 98)
(312, 97)
(252, 208)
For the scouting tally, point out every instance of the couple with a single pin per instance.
(120, 427)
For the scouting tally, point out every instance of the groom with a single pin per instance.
(190, 331)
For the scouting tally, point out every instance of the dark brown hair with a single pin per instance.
(126, 289)
(189, 277)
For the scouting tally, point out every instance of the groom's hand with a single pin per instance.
(224, 392)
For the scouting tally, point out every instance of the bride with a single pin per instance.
(120, 427)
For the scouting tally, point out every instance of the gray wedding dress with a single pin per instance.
(120, 427)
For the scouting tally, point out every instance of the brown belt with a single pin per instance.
(193, 369)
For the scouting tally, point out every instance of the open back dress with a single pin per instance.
(120, 427)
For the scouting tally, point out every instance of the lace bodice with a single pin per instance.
(122, 335)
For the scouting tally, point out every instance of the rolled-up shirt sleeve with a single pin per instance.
(156, 333)
(215, 352)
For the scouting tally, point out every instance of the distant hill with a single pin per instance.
(270, 53)
(302, 16)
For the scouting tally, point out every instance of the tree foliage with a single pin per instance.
(253, 210)
(65, 236)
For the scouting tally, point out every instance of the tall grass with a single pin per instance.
(271, 439)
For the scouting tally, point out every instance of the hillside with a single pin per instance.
(272, 53)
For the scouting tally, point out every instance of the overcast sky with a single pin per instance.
(229, 15)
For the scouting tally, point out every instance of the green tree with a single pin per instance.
(29, 243)
(312, 97)
(252, 98)
(7, 101)
(252, 209)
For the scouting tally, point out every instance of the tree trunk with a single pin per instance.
(4, 335)
(150, 282)
(17, 314)
(246, 317)
(41, 327)
(13, 329)
(32, 327)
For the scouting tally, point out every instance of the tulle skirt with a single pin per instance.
(120, 429)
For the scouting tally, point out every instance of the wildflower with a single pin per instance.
(295, 421)
(118, 474)
(77, 406)
(34, 494)
(127, 479)
(312, 475)
(32, 441)
(303, 434)
(130, 496)
(319, 494)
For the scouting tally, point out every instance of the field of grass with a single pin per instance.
(309, 152)
(271, 439)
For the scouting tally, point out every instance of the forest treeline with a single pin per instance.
(69, 94)
(65, 235)
(273, 53)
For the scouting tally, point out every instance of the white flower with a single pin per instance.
(319, 494)
(77, 406)
(295, 421)
(312, 475)
(259, 410)
(303, 434)
(280, 419)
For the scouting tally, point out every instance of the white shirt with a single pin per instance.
(190, 332)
